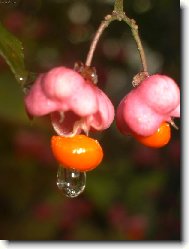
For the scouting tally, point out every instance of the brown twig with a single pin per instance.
(119, 15)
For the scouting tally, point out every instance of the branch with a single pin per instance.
(119, 15)
(118, 6)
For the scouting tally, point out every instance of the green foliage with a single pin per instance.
(11, 103)
(12, 51)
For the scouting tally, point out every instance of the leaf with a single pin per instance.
(11, 50)
(11, 99)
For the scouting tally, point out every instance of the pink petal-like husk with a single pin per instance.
(74, 103)
(36, 102)
(62, 82)
(139, 118)
(120, 121)
(103, 118)
(154, 101)
(160, 92)
(176, 113)
(61, 89)
(100, 120)
(85, 102)
(64, 125)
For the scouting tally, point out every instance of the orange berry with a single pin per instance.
(159, 139)
(79, 152)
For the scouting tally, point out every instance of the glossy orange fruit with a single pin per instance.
(159, 139)
(79, 152)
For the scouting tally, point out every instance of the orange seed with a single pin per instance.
(159, 139)
(79, 152)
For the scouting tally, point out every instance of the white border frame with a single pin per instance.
(185, 123)
(185, 174)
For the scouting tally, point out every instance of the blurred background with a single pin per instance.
(136, 193)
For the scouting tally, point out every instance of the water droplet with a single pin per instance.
(71, 182)
(21, 79)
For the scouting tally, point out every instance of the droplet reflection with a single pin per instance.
(71, 182)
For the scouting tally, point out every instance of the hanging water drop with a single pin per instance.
(71, 182)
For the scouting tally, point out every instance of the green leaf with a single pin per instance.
(11, 50)
(11, 99)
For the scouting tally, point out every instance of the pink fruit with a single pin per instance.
(138, 117)
(155, 100)
(161, 93)
(74, 103)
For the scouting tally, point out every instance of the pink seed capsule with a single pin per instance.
(74, 103)
(160, 92)
(146, 107)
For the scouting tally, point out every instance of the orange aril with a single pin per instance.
(159, 139)
(79, 152)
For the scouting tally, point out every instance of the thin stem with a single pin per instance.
(118, 6)
(118, 15)
(134, 30)
(104, 24)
